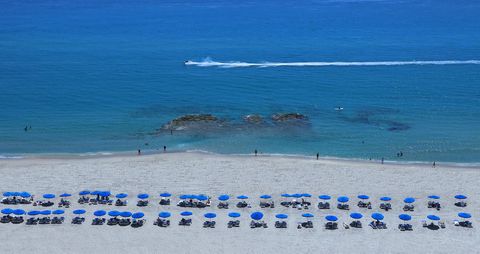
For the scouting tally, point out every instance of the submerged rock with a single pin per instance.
(253, 119)
(283, 117)
(192, 120)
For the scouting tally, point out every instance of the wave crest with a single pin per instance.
(211, 63)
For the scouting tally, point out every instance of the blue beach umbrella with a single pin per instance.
(99, 213)
(234, 215)
(95, 192)
(405, 217)
(121, 195)
(201, 197)
(164, 214)
(59, 211)
(142, 196)
(49, 196)
(377, 216)
(125, 214)
(342, 199)
(223, 197)
(281, 216)
(8, 194)
(324, 197)
(25, 194)
(307, 215)
(138, 215)
(7, 211)
(84, 192)
(165, 195)
(306, 195)
(386, 199)
(286, 195)
(363, 197)
(265, 196)
(296, 195)
(114, 213)
(464, 215)
(409, 200)
(79, 211)
(186, 213)
(210, 215)
(242, 197)
(256, 216)
(65, 195)
(356, 216)
(186, 196)
(18, 212)
(433, 217)
(433, 197)
(33, 213)
(460, 196)
(331, 218)
(45, 212)
(104, 193)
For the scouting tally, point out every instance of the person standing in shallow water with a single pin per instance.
(434, 164)
(139, 152)
(382, 160)
(318, 154)
(164, 148)
(256, 152)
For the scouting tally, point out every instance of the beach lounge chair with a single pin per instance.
(17, 220)
(258, 224)
(222, 205)
(307, 224)
(44, 220)
(323, 205)
(185, 222)
(407, 208)
(362, 204)
(331, 225)
(164, 201)
(137, 223)
(5, 219)
(441, 224)
(242, 204)
(233, 224)
(31, 221)
(64, 203)
(162, 223)
(386, 206)
(78, 220)
(142, 203)
(124, 222)
(343, 206)
(120, 202)
(98, 221)
(461, 204)
(113, 221)
(209, 224)
(57, 220)
(280, 224)
(465, 224)
(356, 224)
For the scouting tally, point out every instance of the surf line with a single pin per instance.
(211, 63)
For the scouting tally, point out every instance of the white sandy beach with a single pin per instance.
(181, 173)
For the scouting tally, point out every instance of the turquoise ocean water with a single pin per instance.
(93, 76)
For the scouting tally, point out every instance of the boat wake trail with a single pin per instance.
(210, 63)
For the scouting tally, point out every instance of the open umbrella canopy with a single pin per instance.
(256, 215)
(307, 215)
(25, 194)
(460, 196)
(296, 195)
(223, 197)
(8, 194)
(121, 195)
(164, 214)
(306, 195)
(356, 216)
(114, 213)
(142, 196)
(281, 216)
(210, 215)
(324, 197)
(363, 197)
(104, 193)
(7, 211)
(165, 195)
(405, 217)
(187, 196)
(84, 192)
(33, 213)
(99, 213)
(45, 212)
(125, 214)
(377, 216)
(79, 211)
(434, 197)
(138, 215)
(386, 199)
(464, 215)
(59, 211)
(48, 196)
(234, 215)
(201, 197)
(265, 196)
(342, 199)
(433, 217)
(242, 197)
(18, 212)
(331, 218)
(186, 213)
(409, 200)
(65, 195)
(95, 192)
(286, 195)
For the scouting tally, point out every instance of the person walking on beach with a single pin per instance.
(318, 154)
(256, 152)
(434, 164)
(382, 160)
(139, 152)
(164, 148)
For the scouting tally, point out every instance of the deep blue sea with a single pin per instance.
(95, 76)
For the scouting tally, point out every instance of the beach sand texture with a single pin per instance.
(182, 173)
